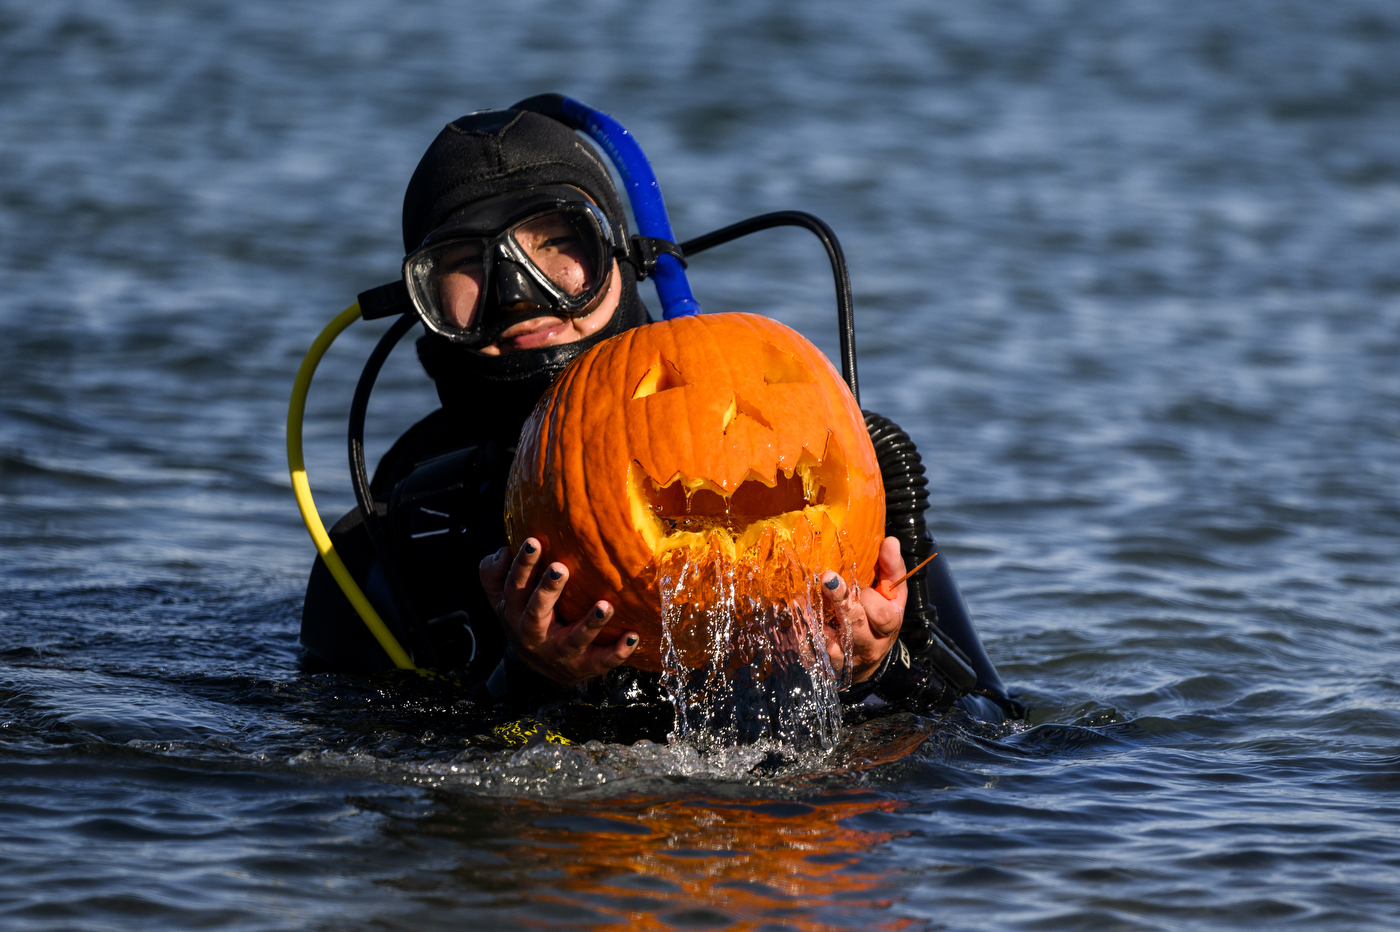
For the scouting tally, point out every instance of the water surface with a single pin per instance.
(1127, 273)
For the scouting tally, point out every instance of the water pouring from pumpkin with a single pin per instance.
(700, 474)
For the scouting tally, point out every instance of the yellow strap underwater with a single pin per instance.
(296, 412)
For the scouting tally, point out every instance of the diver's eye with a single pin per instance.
(556, 246)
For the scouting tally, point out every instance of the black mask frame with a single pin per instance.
(509, 278)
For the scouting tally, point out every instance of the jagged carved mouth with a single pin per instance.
(681, 509)
(668, 515)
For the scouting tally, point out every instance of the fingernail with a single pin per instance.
(600, 612)
(631, 640)
(529, 547)
(833, 583)
(554, 574)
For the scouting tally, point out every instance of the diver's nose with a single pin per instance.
(514, 286)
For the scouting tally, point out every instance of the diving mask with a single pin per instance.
(541, 251)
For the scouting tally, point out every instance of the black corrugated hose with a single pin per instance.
(938, 629)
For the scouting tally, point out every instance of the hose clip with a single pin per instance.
(644, 251)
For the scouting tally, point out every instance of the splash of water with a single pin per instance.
(744, 648)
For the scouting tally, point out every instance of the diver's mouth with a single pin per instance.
(530, 334)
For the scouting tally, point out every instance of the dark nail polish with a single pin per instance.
(833, 582)
(554, 574)
(599, 613)
(529, 547)
(632, 640)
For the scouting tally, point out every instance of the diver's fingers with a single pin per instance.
(848, 617)
(517, 592)
(834, 653)
(833, 587)
(890, 562)
(492, 571)
(581, 634)
(889, 566)
(837, 594)
(884, 620)
(885, 614)
(600, 658)
(539, 610)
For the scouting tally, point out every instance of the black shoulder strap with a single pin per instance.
(444, 516)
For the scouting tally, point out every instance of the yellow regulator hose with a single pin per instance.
(296, 412)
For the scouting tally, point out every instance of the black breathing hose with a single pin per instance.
(937, 623)
(421, 645)
(845, 312)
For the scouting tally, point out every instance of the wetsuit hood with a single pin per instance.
(481, 155)
(491, 152)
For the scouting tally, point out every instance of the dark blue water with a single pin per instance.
(1128, 272)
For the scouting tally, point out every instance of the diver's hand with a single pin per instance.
(524, 594)
(874, 620)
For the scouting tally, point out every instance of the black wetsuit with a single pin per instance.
(440, 493)
(440, 490)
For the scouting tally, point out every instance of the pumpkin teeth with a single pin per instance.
(689, 511)
(685, 512)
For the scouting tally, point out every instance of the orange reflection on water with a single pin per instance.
(740, 865)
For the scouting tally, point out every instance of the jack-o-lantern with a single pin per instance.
(718, 432)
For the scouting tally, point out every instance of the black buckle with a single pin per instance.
(949, 660)
(385, 301)
(645, 249)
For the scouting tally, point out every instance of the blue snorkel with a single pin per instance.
(643, 191)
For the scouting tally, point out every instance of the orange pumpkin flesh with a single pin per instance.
(721, 437)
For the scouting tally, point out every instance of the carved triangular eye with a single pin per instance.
(780, 367)
(661, 377)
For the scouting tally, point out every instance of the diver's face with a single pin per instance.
(554, 244)
(535, 332)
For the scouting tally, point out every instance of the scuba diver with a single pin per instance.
(518, 260)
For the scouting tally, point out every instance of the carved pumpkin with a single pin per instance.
(718, 433)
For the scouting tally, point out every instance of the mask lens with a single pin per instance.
(460, 282)
(564, 247)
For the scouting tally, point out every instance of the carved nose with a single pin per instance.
(737, 407)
